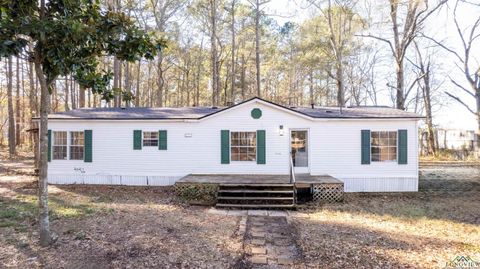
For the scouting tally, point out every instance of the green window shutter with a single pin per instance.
(261, 147)
(87, 156)
(402, 147)
(365, 146)
(162, 140)
(49, 151)
(137, 139)
(225, 146)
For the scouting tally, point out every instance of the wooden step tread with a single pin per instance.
(256, 206)
(256, 185)
(255, 191)
(253, 198)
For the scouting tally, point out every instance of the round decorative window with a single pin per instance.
(256, 113)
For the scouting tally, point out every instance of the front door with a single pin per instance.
(299, 150)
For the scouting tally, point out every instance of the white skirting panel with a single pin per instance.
(114, 180)
(380, 184)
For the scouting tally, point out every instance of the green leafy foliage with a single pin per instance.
(70, 37)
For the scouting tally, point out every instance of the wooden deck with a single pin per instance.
(302, 180)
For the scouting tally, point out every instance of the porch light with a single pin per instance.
(280, 130)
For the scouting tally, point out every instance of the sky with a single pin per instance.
(441, 26)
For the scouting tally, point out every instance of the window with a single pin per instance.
(150, 139)
(59, 145)
(243, 146)
(384, 146)
(76, 145)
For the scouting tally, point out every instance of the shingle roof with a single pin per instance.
(115, 113)
(138, 113)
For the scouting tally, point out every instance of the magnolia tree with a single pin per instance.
(67, 37)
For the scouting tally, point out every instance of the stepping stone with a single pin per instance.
(258, 234)
(256, 259)
(259, 250)
(284, 260)
(237, 213)
(258, 241)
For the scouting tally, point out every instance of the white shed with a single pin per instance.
(370, 149)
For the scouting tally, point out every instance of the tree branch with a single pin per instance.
(461, 102)
(461, 87)
(379, 38)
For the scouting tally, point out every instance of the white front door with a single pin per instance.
(299, 150)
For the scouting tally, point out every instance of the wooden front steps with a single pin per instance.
(256, 196)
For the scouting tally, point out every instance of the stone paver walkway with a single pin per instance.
(270, 243)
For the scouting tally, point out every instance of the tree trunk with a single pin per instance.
(18, 108)
(257, 46)
(400, 85)
(11, 118)
(81, 96)
(137, 92)
(213, 50)
(44, 224)
(161, 80)
(340, 86)
(67, 108)
(232, 89)
(33, 93)
(311, 87)
(116, 84)
(242, 78)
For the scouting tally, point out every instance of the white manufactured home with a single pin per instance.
(369, 149)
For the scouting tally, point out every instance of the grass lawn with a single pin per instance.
(132, 227)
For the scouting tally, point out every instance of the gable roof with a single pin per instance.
(196, 113)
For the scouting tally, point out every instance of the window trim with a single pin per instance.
(232, 146)
(150, 146)
(396, 146)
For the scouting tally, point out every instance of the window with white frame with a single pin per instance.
(59, 148)
(243, 146)
(150, 139)
(77, 144)
(384, 146)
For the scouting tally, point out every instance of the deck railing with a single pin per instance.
(292, 170)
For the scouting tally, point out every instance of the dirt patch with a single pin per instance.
(110, 227)
(401, 230)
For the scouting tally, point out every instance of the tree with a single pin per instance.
(67, 37)
(257, 7)
(11, 118)
(424, 66)
(405, 26)
(468, 66)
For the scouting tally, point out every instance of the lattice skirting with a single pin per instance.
(328, 192)
(197, 193)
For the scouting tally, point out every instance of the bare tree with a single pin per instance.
(424, 67)
(405, 26)
(467, 65)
